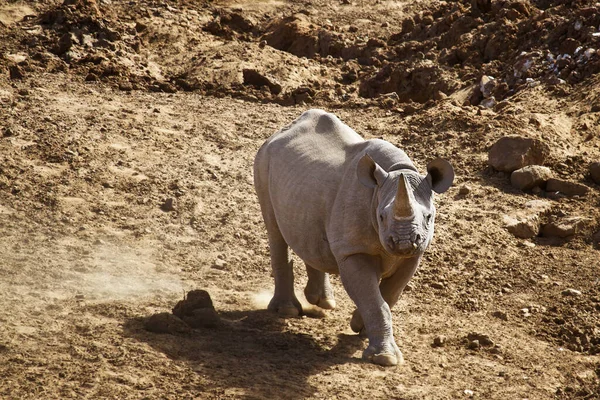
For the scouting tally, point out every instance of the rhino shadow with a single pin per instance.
(252, 354)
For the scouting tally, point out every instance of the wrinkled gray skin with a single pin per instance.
(349, 206)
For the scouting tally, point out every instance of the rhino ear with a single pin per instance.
(369, 173)
(440, 175)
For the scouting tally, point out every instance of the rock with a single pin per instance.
(571, 292)
(197, 310)
(566, 187)
(166, 323)
(595, 172)
(564, 227)
(65, 43)
(500, 315)
(528, 177)
(488, 103)
(474, 344)
(257, 79)
(464, 190)
(195, 299)
(524, 228)
(514, 152)
(568, 46)
(439, 95)
(439, 341)
(168, 205)
(220, 264)
(482, 339)
(486, 86)
(15, 72)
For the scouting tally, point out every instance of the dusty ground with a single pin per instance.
(127, 135)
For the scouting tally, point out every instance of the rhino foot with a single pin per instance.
(387, 355)
(318, 290)
(318, 300)
(356, 323)
(285, 308)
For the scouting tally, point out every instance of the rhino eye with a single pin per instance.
(428, 218)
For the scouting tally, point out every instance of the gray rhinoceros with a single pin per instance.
(350, 206)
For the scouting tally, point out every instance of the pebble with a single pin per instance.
(439, 341)
(464, 190)
(474, 344)
(168, 205)
(500, 315)
(571, 292)
(219, 264)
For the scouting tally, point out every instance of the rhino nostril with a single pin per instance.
(418, 238)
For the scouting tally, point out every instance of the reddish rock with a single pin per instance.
(513, 152)
(528, 177)
(566, 187)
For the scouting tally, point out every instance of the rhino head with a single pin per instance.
(404, 212)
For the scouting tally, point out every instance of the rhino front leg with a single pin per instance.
(318, 290)
(360, 276)
(391, 288)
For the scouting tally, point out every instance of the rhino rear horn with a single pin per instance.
(440, 175)
(369, 173)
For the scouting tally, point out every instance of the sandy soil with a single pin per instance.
(127, 136)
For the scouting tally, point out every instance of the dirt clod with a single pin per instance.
(165, 323)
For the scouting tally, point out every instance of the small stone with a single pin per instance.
(566, 187)
(438, 285)
(488, 103)
(595, 172)
(168, 205)
(571, 292)
(464, 190)
(469, 392)
(500, 315)
(220, 264)
(525, 312)
(15, 72)
(530, 176)
(439, 341)
(481, 339)
(439, 95)
(474, 345)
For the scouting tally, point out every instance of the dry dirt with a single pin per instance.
(127, 136)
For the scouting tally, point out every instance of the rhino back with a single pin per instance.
(301, 168)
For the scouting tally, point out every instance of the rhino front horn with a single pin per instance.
(402, 204)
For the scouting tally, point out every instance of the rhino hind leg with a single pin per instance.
(318, 290)
(284, 301)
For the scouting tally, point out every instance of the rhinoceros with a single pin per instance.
(350, 206)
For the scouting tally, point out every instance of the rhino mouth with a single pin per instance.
(401, 248)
